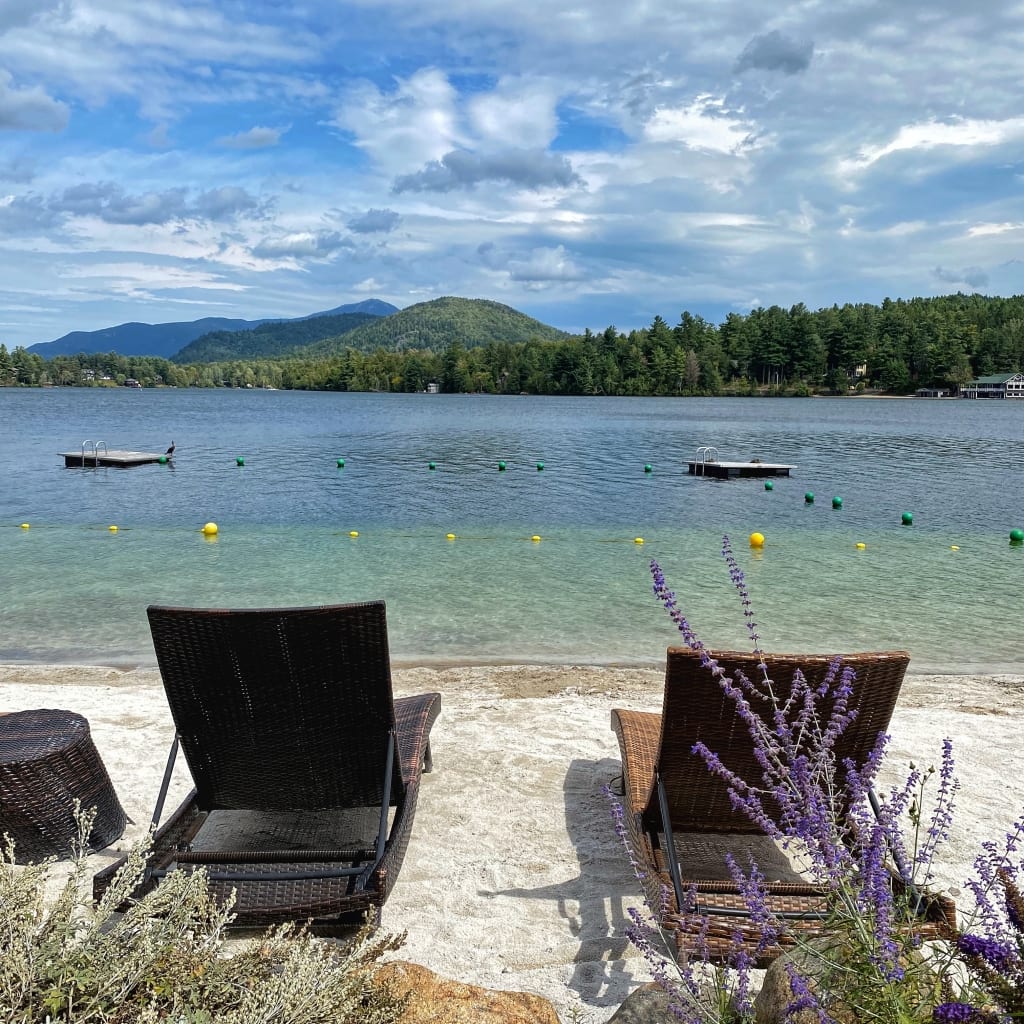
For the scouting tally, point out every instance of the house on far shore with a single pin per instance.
(933, 392)
(998, 385)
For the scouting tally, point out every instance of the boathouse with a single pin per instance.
(998, 385)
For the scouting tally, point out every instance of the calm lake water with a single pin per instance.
(947, 587)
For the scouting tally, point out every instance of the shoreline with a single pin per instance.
(514, 878)
(129, 665)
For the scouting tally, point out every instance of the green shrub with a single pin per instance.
(65, 959)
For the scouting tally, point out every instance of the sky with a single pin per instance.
(589, 163)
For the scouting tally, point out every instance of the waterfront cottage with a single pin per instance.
(998, 385)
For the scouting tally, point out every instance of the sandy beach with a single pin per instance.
(514, 878)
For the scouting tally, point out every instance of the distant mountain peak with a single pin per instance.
(167, 339)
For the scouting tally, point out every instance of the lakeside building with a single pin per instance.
(997, 385)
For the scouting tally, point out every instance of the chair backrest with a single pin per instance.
(280, 708)
(695, 708)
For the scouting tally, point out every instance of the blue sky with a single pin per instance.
(588, 163)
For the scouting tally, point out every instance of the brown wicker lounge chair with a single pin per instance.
(672, 802)
(306, 770)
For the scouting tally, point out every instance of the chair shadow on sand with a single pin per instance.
(595, 904)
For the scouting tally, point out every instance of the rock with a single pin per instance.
(645, 1005)
(777, 993)
(919, 988)
(437, 1000)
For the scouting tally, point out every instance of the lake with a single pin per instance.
(946, 587)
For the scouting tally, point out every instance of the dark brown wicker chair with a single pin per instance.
(306, 770)
(672, 801)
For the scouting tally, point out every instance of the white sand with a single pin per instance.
(514, 878)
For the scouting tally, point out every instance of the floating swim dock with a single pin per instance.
(707, 463)
(91, 455)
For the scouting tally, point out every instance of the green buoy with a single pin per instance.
(809, 497)
(907, 518)
(341, 463)
(1016, 536)
(501, 467)
(162, 460)
(837, 502)
(768, 485)
(540, 466)
(432, 465)
(648, 468)
(239, 461)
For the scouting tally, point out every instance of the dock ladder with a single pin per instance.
(706, 453)
(96, 446)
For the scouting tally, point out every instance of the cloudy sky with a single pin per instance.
(590, 162)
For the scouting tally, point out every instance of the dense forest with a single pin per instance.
(895, 347)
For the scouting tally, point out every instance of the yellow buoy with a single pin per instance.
(210, 530)
(112, 529)
(535, 538)
(954, 547)
(757, 540)
(861, 546)
(638, 540)
(353, 533)
(24, 526)
(450, 536)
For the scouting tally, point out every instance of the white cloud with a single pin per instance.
(405, 128)
(701, 125)
(257, 137)
(544, 267)
(29, 107)
(147, 279)
(932, 134)
(517, 114)
(302, 244)
(980, 230)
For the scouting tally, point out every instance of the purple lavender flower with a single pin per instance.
(806, 797)
(803, 998)
(1000, 955)
(951, 1013)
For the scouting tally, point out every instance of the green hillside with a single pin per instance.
(439, 323)
(270, 340)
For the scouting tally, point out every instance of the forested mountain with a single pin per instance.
(434, 325)
(892, 348)
(164, 340)
(137, 339)
(430, 326)
(270, 340)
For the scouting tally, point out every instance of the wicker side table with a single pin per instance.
(47, 761)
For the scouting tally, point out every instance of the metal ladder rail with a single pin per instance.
(705, 453)
(95, 450)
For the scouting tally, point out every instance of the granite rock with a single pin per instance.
(437, 1000)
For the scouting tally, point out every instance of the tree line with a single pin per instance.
(894, 347)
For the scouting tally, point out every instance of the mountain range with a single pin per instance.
(166, 340)
(363, 326)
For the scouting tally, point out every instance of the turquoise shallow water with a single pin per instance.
(73, 591)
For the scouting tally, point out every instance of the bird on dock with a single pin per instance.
(170, 451)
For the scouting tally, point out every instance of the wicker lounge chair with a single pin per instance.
(306, 770)
(672, 802)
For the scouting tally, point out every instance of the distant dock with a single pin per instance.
(707, 463)
(725, 470)
(89, 458)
